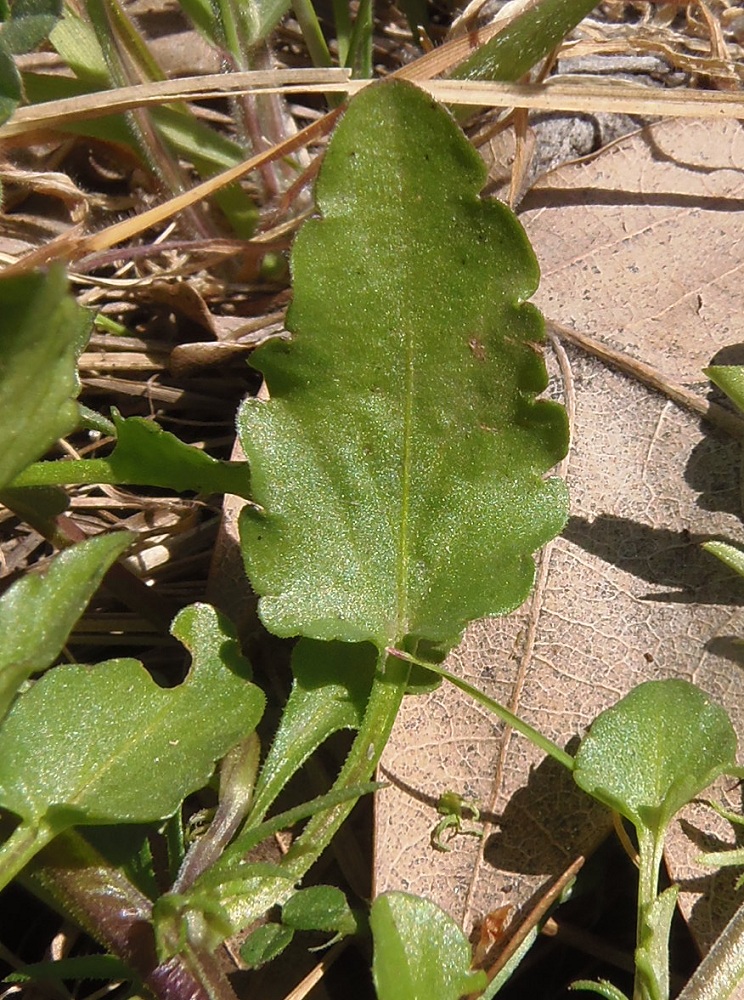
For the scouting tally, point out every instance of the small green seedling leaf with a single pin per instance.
(453, 809)
(419, 951)
(646, 757)
(730, 378)
(42, 332)
(728, 554)
(107, 745)
(654, 751)
(398, 469)
(147, 455)
(37, 613)
(264, 944)
(319, 908)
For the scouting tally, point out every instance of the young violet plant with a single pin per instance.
(397, 491)
(397, 479)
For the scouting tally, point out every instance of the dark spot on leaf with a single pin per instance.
(477, 348)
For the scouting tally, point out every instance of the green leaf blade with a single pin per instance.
(43, 330)
(329, 693)
(403, 423)
(106, 744)
(419, 951)
(730, 378)
(37, 613)
(654, 751)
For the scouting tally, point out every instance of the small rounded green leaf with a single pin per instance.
(264, 944)
(420, 952)
(319, 908)
(654, 751)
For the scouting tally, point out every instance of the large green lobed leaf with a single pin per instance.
(398, 468)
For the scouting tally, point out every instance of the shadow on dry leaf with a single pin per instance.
(661, 556)
(508, 849)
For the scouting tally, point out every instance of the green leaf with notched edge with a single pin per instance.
(399, 465)
(147, 455)
(106, 744)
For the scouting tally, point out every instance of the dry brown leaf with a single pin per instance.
(642, 246)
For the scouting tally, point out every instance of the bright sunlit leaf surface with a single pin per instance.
(420, 952)
(399, 467)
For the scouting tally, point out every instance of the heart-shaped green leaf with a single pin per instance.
(398, 468)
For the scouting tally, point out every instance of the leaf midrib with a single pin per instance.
(406, 462)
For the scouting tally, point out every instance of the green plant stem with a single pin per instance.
(360, 44)
(315, 41)
(532, 734)
(20, 847)
(76, 472)
(89, 471)
(78, 881)
(385, 698)
(650, 852)
(342, 20)
(96, 421)
(229, 25)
